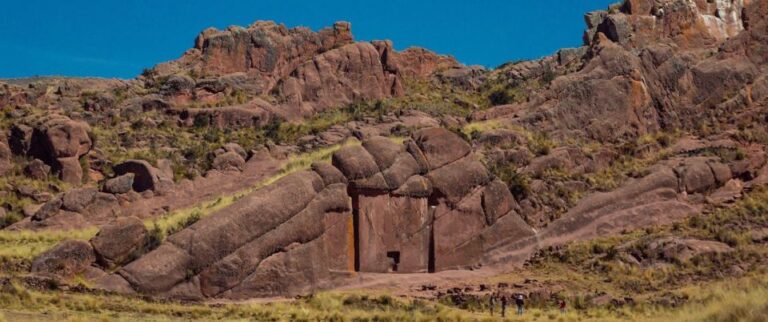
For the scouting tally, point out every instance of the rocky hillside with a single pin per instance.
(435, 168)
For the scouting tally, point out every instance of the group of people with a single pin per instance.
(518, 298)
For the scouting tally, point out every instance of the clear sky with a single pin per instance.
(118, 38)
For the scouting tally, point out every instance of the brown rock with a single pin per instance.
(78, 199)
(119, 241)
(229, 161)
(49, 209)
(60, 142)
(65, 260)
(440, 146)
(329, 173)
(456, 180)
(37, 169)
(697, 176)
(383, 150)
(683, 249)
(355, 162)
(146, 177)
(120, 184)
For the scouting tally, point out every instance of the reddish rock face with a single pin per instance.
(66, 259)
(314, 228)
(394, 233)
(305, 72)
(119, 241)
(56, 140)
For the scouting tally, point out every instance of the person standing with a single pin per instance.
(503, 305)
(561, 305)
(520, 304)
(492, 302)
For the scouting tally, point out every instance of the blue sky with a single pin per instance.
(118, 38)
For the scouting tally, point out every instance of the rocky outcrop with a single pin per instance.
(422, 206)
(336, 78)
(66, 259)
(56, 140)
(120, 184)
(304, 72)
(650, 69)
(688, 23)
(145, 176)
(120, 241)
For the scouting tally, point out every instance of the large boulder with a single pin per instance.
(78, 199)
(355, 162)
(229, 161)
(120, 241)
(37, 169)
(65, 260)
(335, 78)
(120, 184)
(146, 177)
(683, 249)
(440, 146)
(60, 142)
(49, 209)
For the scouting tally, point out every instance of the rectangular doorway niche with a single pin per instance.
(393, 233)
(394, 260)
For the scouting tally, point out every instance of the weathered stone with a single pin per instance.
(697, 177)
(119, 241)
(416, 186)
(37, 169)
(683, 249)
(146, 177)
(214, 237)
(77, 199)
(329, 173)
(120, 184)
(440, 146)
(383, 150)
(355, 162)
(229, 161)
(65, 260)
(497, 201)
(456, 180)
(49, 209)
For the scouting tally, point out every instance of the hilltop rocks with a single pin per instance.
(688, 23)
(66, 259)
(305, 72)
(119, 241)
(335, 78)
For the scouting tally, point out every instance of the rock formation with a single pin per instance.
(422, 206)
(305, 72)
